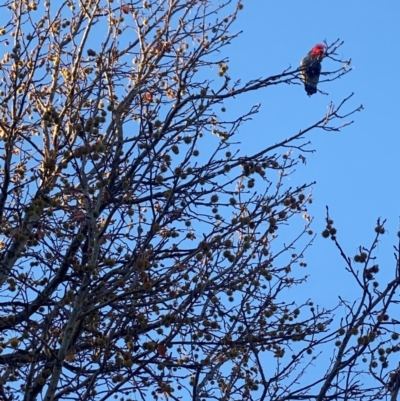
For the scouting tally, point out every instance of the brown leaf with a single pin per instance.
(126, 9)
(162, 350)
(70, 357)
(148, 97)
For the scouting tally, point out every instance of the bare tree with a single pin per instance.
(140, 254)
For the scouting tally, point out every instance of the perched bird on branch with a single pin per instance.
(310, 68)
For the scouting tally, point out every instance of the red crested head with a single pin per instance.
(318, 51)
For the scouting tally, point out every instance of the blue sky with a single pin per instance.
(353, 168)
(356, 169)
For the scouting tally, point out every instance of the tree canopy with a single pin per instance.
(142, 254)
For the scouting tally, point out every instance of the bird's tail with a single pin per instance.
(310, 89)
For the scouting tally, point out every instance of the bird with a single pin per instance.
(310, 68)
